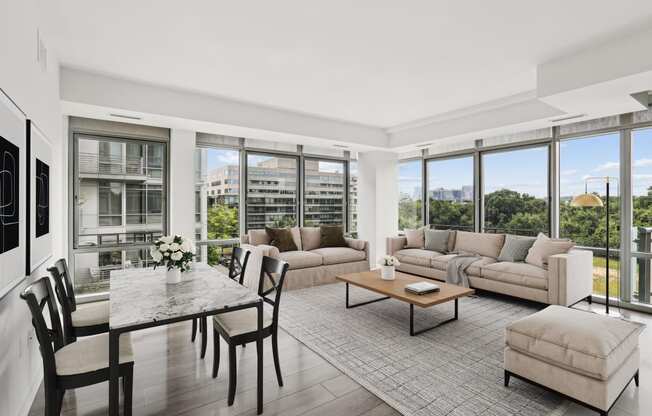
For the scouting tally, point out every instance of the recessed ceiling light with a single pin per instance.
(125, 116)
(564, 118)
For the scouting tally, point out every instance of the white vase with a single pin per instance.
(173, 276)
(387, 272)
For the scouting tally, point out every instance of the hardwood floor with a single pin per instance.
(171, 379)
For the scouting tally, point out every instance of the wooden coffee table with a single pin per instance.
(396, 289)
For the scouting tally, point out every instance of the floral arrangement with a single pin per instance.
(389, 261)
(173, 251)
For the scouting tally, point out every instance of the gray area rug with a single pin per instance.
(456, 369)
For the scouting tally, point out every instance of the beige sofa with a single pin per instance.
(310, 265)
(567, 280)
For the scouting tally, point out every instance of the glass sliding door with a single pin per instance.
(516, 191)
(410, 188)
(272, 190)
(580, 159)
(450, 193)
(119, 208)
(641, 215)
(324, 198)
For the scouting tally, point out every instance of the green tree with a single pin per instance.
(222, 224)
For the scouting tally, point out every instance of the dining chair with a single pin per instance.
(78, 320)
(237, 268)
(72, 365)
(241, 327)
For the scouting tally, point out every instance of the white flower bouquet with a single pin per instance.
(389, 261)
(173, 252)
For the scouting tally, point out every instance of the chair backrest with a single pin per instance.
(272, 276)
(50, 338)
(60, 272)
(238, 266)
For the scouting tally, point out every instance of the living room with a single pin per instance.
(421, 208)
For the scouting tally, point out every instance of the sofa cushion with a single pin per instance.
(544, 247)
(437, 240)
(415, 238)
(579, 341)
(416, 256)
(258, 237)
(515, 248)
(441, 263)
(521, 274)
(296, 237)
(310, 238)
(337, 255)
(301, 259)
(484, 244)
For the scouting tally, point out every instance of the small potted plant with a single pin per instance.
(388, 267)
(175, 253)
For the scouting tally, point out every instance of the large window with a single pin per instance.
(119, 200)
(581, 160)
(450, 193)
(272, 189)
(516, 191)
(410, 189)
(217, 200)
(324, 192)
(642, 213)
(353, 198)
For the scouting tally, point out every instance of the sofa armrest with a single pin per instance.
(570, 277)
(395, 244)
(357, 244)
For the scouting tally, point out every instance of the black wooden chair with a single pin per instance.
(78, 320)
(72, 365)
(237, 267)
(241, 327)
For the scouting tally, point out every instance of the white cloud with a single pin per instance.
(607, 166)
(569, 172)
(642, 163)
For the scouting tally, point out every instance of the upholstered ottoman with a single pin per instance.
(586, 357)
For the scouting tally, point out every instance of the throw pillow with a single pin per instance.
(516, 248)
(258, 237)
(414, 238)
(437, 240)
(544, 247)
(332, 236)
(281, 238)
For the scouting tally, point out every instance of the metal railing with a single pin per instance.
(93, 163)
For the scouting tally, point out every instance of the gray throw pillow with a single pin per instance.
(437, 240)
(516, 248)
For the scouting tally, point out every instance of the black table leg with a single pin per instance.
(259, 352)
(349, 306)
(421, 331)
(114, 372)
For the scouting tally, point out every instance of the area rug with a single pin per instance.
(455, 369)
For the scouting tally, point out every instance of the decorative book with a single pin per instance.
(422, 288)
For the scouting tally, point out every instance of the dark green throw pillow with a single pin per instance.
(332, 236)
(281, 238)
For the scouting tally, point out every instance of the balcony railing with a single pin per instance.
(95, 164)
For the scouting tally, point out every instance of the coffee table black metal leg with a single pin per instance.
(349, 306)
(421, 331)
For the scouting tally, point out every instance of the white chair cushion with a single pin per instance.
(521, 274)
(337, 255)
(93, 313)
(579, 341)
(242, 321)
(416, 256)
(90, 354)
(301, 259)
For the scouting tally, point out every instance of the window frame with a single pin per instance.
(345, 187)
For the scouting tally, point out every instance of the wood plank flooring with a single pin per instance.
(171, 379)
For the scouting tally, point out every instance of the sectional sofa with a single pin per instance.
(311, 265)
(566, 280)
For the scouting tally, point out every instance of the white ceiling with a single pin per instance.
(375, 62)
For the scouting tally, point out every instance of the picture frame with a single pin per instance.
(38, 227)
(13, 237)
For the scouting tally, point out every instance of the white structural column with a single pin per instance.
(377, 200)
(182, 183)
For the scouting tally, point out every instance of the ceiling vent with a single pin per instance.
(566, 118)
(125, 116)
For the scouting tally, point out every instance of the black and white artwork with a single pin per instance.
(42, 202)
(13, 195)
(9, 195)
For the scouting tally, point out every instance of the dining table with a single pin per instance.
(140, 298)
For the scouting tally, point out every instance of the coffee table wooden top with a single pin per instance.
(396, 288)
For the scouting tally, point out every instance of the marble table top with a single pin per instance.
(141, 296)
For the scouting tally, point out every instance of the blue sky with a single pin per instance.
(525, 170)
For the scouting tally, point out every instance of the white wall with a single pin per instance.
(377, 200)
(36, 92)
(182, 183)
